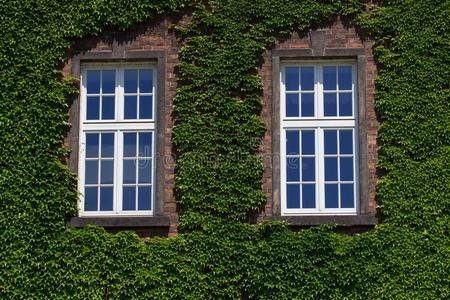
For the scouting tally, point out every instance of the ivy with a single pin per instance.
(218, 254)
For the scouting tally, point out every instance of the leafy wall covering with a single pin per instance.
(219, 255)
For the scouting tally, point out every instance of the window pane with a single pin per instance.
(329, 78)
(145, 107)
(107, 171)
(108, 108)
(129, 198)
(292, 142)
(308, 169)
(93, 81)
(345, 142)
(307, 78)
(108, 81)
(91, 145)
(345, 78)
(130, 107)
(129, 171)
(293, 169)
(90, 199)
(145, 81)
(345, 104)
(107, 144)
(331, 169)
(346, 168)
(292, 105)
(145, 198)
(331, 196)
(347, 196)
(129, 144)
(307, 105)
(329, 105)
(106, 198)
(93, 108)
(145, 171)
(330, 137)
(309, 195)
(145, 144)
(293, 196)
(308, 144)
(292, 79)
(130, 81)
(91, 172)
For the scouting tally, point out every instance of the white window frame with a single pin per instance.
(118, 126)
(318, 123)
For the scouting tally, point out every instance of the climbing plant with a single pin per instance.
(219, 255)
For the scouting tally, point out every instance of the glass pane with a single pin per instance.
(307, 78)
(331, 169)
(107, 171)
(345, 78)
(90, 199)
(308, 169)
(308, 146)
(129, 144)
(145, 198)
(145, 81)
(293, 169)
(108, 81)
(130, 107)
(292, 142)
(145, 171)
(91, 172)
(293, 196)
(345, 104)
(93, 108)
(91, 145)
(329, 78)
(106, 198)
(292, 105)
(329, 105)
(130, 81)
(345, 142)
(145, 107)
(309, 195)
(129, 171)
(292, 79)
(107, 144)
(330, 137)
(145, 144)
(129, 198)
(331, 196)
(93, 81)
(307, 105)
(346, 168)
(108, 108)
(347, 196)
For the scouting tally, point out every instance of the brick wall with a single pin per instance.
(336, 36)
(157, 36)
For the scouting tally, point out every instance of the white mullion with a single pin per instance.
(338, 152)
(321, 169)
(136, 186)
(299, 94)
(99, 170)
(153, 171)
(120, 94)
(319, 91)
(118, 172)
(100, 112)
(300, 164)
(138, 97)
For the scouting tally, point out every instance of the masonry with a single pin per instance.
(157, 38)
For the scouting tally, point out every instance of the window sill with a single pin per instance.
(128, 221)
(358, 220)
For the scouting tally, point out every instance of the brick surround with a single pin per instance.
(336, 37)
(156, 36)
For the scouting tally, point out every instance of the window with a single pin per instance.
(117, 139)
(318, 138)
